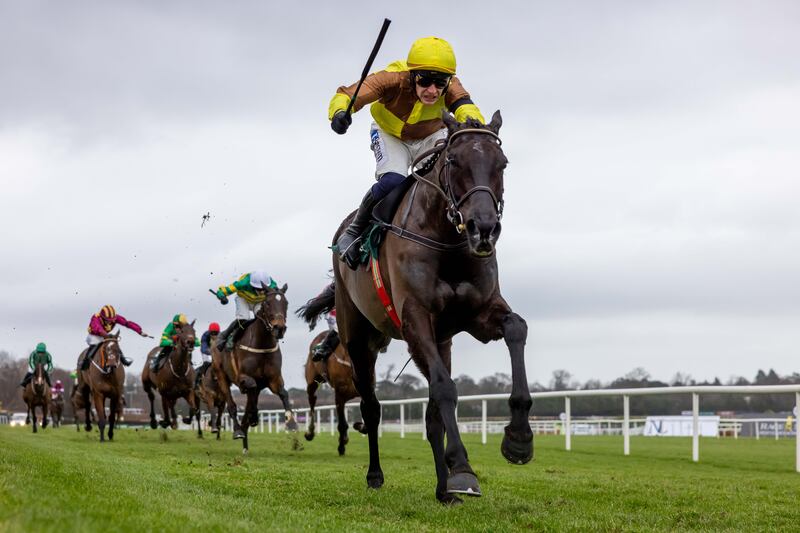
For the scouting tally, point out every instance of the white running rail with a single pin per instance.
(272, 417)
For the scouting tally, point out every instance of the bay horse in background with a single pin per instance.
(439, 268)
(175, 379)
(57, 409)
(255, 364)
(209, 391)
(37, 394)
(339, 372)
(104, 379)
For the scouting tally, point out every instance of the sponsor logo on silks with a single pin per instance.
(376, 145)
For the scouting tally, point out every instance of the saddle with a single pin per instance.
(382, 215)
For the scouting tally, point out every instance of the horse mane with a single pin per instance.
(317, 306)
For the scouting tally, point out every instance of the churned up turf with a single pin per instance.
(61, 480)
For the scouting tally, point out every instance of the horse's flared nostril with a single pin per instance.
(472, 227)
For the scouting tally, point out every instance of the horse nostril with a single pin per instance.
(496, 230)
(472, 227)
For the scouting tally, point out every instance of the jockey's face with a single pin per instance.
(428, 95)
(430, 89)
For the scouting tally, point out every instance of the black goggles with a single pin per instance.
(426, 80)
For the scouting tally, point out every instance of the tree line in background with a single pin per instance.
(390, 387)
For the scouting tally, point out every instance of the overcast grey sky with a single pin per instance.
(651, 196)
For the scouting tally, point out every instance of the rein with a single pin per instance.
(453, 204)
(269, 329)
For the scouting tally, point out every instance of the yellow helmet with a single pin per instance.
(180, 318)
(432, 53)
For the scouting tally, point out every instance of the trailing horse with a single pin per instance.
(57, 409)
(103, 379)
(209, 391)
(255, 364)
(436, 276)
(175, 379)
(37, 394)
(339, 374)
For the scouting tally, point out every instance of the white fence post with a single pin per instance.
(758, 434)
(333, 412)
(796, 432)
(269, 423)
(319, 420)
(483, 421)
(402, 421)
(626, 425)
(695, 427)
(261, 422)
(775, 424)
(568, 423)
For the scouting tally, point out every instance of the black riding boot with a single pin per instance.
(199, 374)
(324, 349)
(125, 360)
(223, 335)
(89, 355)
(156, 362)
(26, 380)
(348, 242)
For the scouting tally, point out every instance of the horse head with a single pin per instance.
(471, 176)
(39, 380)
(111, 355)
(273, 311)
(186, 337)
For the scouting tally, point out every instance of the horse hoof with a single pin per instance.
(360, 427)
(187, 420)
(88, 428)
(291, 425)
(244, 451)
(516, 448)
(463, 483)
(238, 434)
(375, 480)
(215, 430)
(450, 499)
(309, 436)
(340, 449)
(153, 424)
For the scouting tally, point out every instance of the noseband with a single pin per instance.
(454, 204)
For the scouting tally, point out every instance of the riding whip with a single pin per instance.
(368, 66)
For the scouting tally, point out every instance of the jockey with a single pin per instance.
(100, 327)
(39, 355)
(167, 344)
(57, 390)
(408, 99)
(251, 291)
(324, 349)
(205, 350)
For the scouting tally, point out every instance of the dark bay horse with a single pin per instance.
(211, 393)
(340, 377)
(57, 409)
(255, 364)
(175, 379)
(439, 266)
(103, 380)
(37, 394)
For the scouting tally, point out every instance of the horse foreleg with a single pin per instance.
(364, 379)
(453, 472)
(112, 416)
(165, 421)
(33, 418)
(173, 414)
(342, 425)
(497, 321)
(148, 388)
(277, 388)
(311, 391)
(220, 409)
(87, 407)
(99, 406)
(225, 387)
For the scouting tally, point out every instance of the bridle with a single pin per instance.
(454, 204)
(103, 369)
(267, 321)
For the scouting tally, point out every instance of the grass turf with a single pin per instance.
(61, 480)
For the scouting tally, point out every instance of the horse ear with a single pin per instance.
(496, 122)
(285, 287)
(193, 321)
(450, 121)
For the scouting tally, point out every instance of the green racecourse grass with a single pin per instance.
(61, 480)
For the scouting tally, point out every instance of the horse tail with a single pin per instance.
(318, 305)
